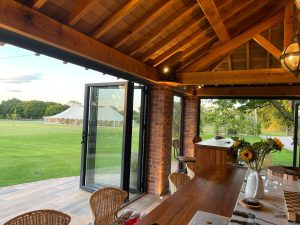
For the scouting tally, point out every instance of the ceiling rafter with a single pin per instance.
(212, 14)
(174, 19)
(156, 12)
(27, 22)
(235, 42)
(37, 4)
(288, 22)
(263, 42)
(81, 9)
(255, 76)
(115, 18)
(247, 55)
(183, 30)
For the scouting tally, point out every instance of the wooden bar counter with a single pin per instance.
(213, 152)
(214, 191)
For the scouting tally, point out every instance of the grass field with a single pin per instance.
(31, 151)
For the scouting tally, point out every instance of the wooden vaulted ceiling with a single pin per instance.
(215, 36)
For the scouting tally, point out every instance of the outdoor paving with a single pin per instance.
(61, 194)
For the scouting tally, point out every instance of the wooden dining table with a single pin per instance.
(213, 190)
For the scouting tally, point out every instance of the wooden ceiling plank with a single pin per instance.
(288, 22)
(263, 42)
(229, 62)
(200, 33)
(212, 14)
(156, 12)
(27, 22)
(174, 19)
(255, 76)
(247, 56)
(81, 9)
(270, 91)
(268, 53)
(115, 18)
(183, 30)
(234, 43)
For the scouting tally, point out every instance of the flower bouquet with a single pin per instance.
(253, 155)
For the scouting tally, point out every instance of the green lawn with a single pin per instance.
(31, 151)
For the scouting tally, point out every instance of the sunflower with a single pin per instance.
(278, 144)
(246, 155)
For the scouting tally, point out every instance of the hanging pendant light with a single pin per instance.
(290, 57)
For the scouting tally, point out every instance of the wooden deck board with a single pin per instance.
(61, 194)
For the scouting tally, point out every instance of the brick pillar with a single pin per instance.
(160, 139)
(191, 111)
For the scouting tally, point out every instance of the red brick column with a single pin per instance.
(191, 111)
(160, 139)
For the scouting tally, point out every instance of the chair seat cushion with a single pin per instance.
(186, 159)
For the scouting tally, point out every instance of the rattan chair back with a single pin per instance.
(105, 204)
(192, 169)
(176, 180)
(41, 217)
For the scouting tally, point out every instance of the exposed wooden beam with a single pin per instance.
(37, 4)
(234, 43)
(268, 53)
(30, 23)
(82, 8)
(288, 22)
(258, 76)
(269, 91)
(115, 18)
(247, 56)
(263, 42)
(229, 63)
(172, 20)
(212, 14)
(156, 12)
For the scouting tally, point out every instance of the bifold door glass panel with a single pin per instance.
(105, 136)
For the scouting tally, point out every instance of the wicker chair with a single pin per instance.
(176, 180)
(105, 204)
(41, 217)
(192, 169)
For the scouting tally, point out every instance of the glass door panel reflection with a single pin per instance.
(105, 135)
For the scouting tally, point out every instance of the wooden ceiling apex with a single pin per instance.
(234, 43)
(115, 18)
(211, 12)
(288, 22)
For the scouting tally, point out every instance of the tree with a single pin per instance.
(54, 109)
(14, 116)
(34, 109)
(8, 107)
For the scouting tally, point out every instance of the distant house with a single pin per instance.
(107, 116)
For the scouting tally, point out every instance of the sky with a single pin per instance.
(25, 76)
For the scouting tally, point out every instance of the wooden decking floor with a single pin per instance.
(62, 194)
